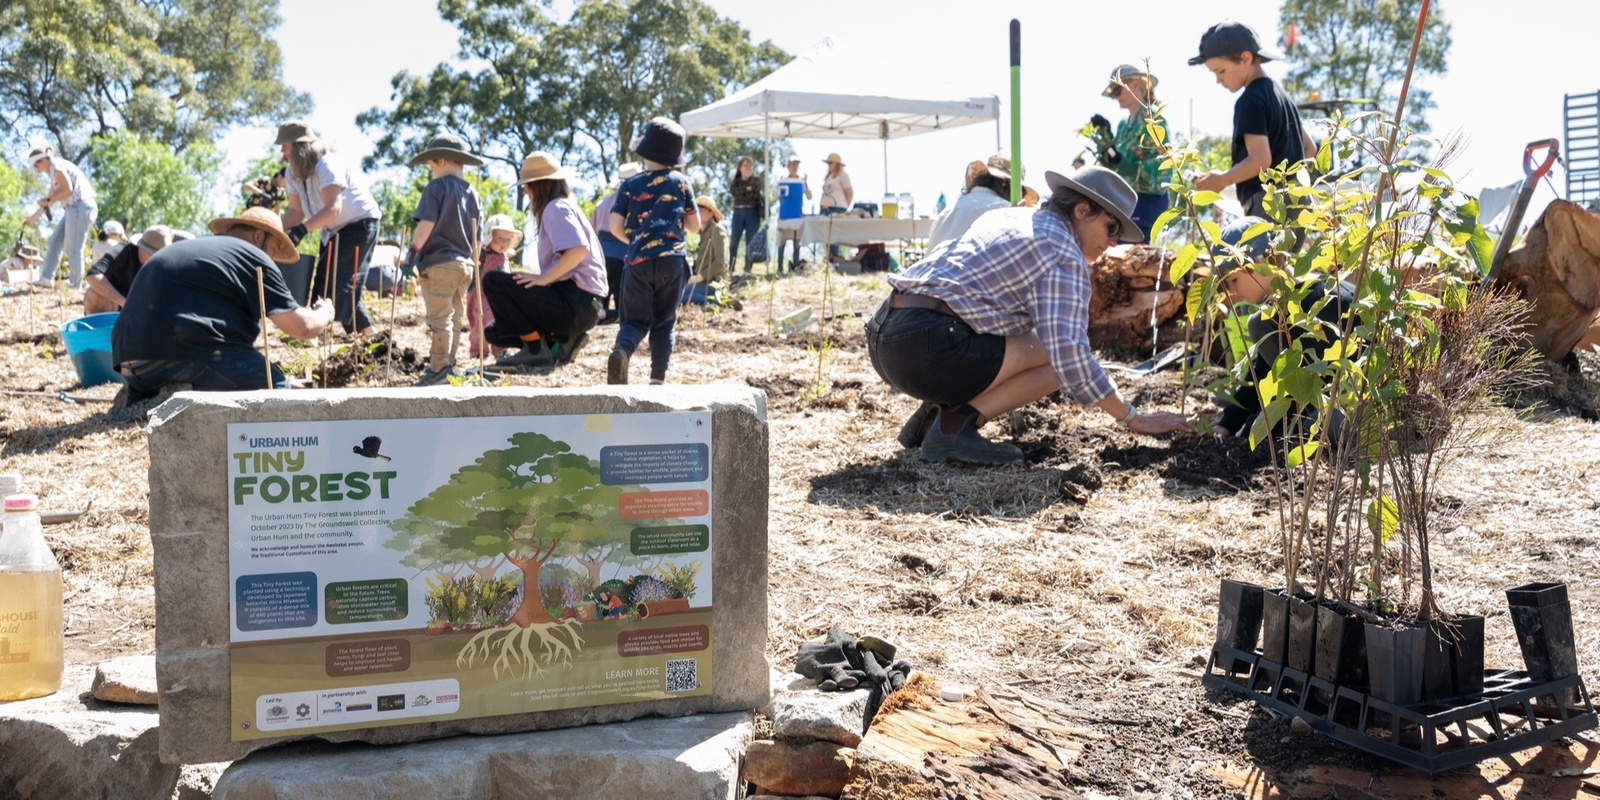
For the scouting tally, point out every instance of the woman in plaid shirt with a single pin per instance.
(999, 318)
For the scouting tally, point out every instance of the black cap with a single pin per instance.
(1228, 38)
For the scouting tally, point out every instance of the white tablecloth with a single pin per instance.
(856, 230)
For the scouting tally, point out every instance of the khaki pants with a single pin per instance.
(443, 288)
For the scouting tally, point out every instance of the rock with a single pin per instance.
(63, 746)
(661, 759)
(129, 679)
(816, 768)
(806, 714)
(190, 530)
(1301, 727)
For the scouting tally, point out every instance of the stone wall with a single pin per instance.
(189, 532)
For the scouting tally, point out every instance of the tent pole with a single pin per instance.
(766, 220)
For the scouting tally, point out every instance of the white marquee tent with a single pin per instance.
(839, 92)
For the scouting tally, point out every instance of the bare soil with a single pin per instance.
(1087, 575)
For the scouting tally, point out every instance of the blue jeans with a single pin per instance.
(828, 211)
(744, 224)
(69, 236)
(649, 303)
(1145, 212)
(247, 372)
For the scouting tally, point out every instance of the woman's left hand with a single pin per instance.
(528, 279)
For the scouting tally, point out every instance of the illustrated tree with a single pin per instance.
(1354, 49)
(581, 88)
(177, 71)
(523, 503)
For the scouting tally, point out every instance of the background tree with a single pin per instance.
(580, 89)
(19, 187)
(1356, 49)
(145, 182)
(177, 71)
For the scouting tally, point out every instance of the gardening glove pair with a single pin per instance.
(842, 662)
(1106, 153)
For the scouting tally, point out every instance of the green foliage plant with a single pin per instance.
(143, 182)
(680, 578)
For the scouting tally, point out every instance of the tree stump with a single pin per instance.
(998, 743)
(1556, 267)
(1126, 282)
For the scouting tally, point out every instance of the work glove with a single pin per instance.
(297, 233)
(408, 265)
(842, 662)
(1101, 124)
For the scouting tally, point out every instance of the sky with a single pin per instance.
(1509, 67)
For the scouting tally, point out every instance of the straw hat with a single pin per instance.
(502, 222)
(1030, 196)
(833, 158)
(998, 166)
(279, 247)
(704, 201)
(542, 166)
(1105, 189)
(449, 147)
(29, 253)
(295, 131)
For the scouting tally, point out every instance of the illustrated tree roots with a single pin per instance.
(530, 649)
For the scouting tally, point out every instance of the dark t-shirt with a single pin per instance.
(653, 205)
(451, 204)
(1264, 110)
(120, 264)
(196, 301)
(1269, 341)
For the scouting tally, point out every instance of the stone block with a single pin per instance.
(129, 679)
(189, 494)
(791, 768)
(803, 713)
(693, 758)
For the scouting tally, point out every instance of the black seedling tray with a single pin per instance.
(1512, 714)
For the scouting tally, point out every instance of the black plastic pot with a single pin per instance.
(1394, 662)
(1302, 633)
(1274, 625)
(1239, 614)
(1543, 620)
(1453, 659)
(1341, 647)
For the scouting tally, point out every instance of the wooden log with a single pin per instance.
(1000, 742)
(1557, 268)
(1126, 282)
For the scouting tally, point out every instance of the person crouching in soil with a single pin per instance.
(106, 286)
(999, 318)
(194, 313)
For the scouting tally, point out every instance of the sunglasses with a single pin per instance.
(1116, 90)
(1114, 229)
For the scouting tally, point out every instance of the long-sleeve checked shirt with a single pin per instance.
(1017, 270)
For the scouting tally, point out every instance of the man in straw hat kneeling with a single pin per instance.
(194, 313)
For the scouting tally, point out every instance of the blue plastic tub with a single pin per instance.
(88, 341)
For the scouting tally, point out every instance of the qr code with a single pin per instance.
(682, 675)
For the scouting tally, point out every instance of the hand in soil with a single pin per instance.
(1158, 423)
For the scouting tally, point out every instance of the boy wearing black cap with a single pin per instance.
(1266, 126)
(652, 211)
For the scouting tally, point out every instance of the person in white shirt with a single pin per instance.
(988, 188)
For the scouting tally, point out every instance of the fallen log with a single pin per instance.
(1556, 267)
(1125, 283)
(999, 742)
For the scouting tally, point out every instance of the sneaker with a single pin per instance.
(44, 284)
(532, 356)
(916, 428)
(568, 350)
(617, 368)
(966, 446)
(430, 377)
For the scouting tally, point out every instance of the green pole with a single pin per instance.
(1016, 111)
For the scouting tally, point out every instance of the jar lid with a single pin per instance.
(10, 483)
(22, 502)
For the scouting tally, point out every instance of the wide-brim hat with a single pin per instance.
(280, 247)
(1229, 38)
(704, 201)
(295, 131)
(1030, 196)
(662, 141)
(541, 166)
(833, 158)
(997, 166)
(449, 147)
(1107, 190)
(1122, 74)
(29, 253)
(113, 228)
(502, 222)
